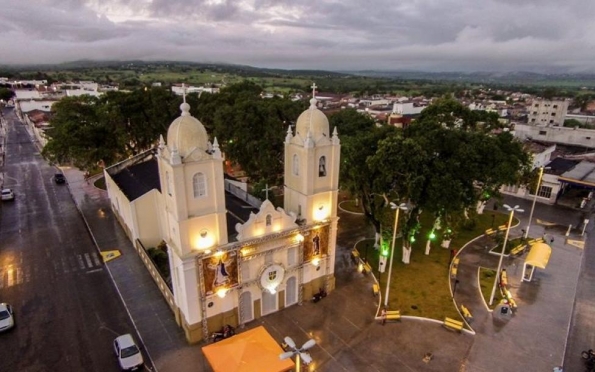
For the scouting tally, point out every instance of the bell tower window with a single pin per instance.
(268, 219)
(322, 166)
(199, 185)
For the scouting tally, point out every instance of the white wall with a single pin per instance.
(560, 135)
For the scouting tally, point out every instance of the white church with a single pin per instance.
(231, 263)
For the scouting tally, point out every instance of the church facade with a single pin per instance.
(225, 267)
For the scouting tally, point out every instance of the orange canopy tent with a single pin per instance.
(252, 351)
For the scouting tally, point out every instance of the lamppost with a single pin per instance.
(299, 353)
(534, 199)
(397, 208)
(511, 210)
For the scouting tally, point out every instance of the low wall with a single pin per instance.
(163, 288)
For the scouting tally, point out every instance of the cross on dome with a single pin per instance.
(313, 100)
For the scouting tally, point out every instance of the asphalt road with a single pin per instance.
(67, 309)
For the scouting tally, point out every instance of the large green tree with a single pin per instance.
(444, 164)
(87, 131)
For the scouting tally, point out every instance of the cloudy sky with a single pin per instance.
(432, 35)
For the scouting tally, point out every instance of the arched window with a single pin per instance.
(296, 165)
(269, 219)
(322, 166)
(199, 185)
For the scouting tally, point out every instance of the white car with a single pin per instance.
(7, 194)
(6, 317)
(129, 356)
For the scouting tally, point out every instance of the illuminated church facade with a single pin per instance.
(231, 263)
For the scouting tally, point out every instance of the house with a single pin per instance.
(232, 262)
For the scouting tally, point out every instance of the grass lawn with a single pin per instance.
(486, 282)
(421, 288)
(100, 183)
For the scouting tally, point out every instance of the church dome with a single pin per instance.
(187, 134)
(313, 120)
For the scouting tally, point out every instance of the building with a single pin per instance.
(230, 264)
(547, 113)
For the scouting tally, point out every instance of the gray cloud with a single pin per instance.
(442, 35)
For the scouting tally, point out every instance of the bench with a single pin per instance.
(367, 268)
(466, 313)
(502, 227)
(375, 289)
(503, 279)
(355, 253)
(489, 232)
(390, 315)
(393, 315)
(518, 249)
(533, 241)
(454, 268)
(455, 325)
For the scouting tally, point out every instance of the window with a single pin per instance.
(537, 105)
(199, 185)
(551, 121)
(299, 211)
(545, 192)
(268, 219)
(296, 165)
(553, 114)
(533, 120)
(555, 106)
(322, 166)
(542, 132)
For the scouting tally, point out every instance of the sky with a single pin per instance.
(344, 35)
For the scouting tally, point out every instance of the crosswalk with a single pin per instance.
(14, 275)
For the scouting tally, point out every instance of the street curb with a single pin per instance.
(350, 212)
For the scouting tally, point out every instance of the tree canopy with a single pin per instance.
(443, 164)
(87, 130)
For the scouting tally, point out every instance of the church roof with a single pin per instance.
(138, 179)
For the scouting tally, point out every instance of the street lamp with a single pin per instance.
(534, 199)
(299, 353)
(511, 210)
(397, 208)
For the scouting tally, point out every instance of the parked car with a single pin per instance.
(129, 355)
(59, 178)
(6, 317)
(7, 194)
